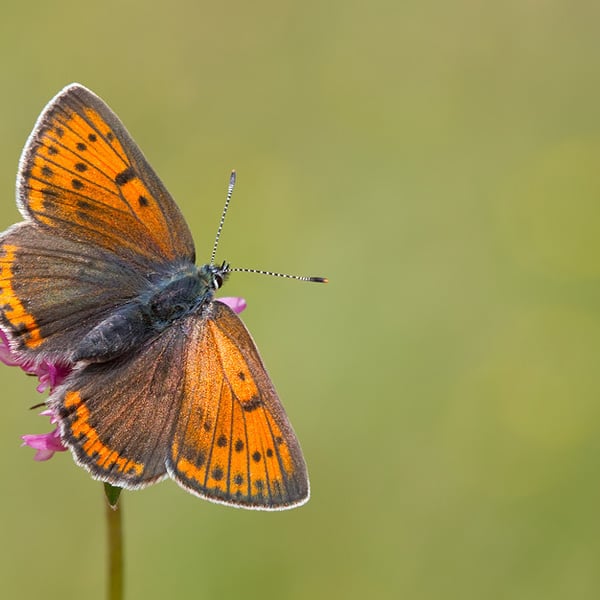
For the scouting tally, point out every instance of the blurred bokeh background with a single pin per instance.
(440, 163)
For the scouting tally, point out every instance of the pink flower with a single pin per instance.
(49, 374)
(237, 305)
(52, 374)
(45, 444)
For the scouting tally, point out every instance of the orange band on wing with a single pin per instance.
(102, 455)
(191, 471)
(133, 189)
(102, 126)
(235, 367)
(13, 309)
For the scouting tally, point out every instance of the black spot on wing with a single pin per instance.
(252, 404)
(84, 205)
(125, 176)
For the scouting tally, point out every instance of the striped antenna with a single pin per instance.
(227, 269)
(223, 214)
(274, 274)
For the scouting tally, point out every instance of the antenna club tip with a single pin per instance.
(319, 279)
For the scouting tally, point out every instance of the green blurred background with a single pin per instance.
(439, 162)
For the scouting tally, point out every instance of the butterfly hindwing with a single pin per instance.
(233, 442)
(218, 427)
(117, 417)
(53, 290)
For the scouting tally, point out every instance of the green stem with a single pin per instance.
(115, 543)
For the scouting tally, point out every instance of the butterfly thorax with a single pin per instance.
(181, 290)
(175, 295)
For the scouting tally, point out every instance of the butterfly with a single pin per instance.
(101, 275)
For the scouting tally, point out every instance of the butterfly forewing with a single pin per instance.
(233, 442)
(98, 223)
(83, 176)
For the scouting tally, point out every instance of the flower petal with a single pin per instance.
(236, 304)
(45, 444)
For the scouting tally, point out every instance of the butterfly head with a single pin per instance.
(214, 276)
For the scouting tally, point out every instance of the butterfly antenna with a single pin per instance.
(274, 274)
(240, 270)
(223, 214)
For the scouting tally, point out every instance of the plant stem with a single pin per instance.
(115, 547)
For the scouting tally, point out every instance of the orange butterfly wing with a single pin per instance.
(82, 175)
(218, 427)
(233, 442)
(117, 417)
(98, 223)
(53, 290)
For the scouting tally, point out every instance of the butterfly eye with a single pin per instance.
(217, 281)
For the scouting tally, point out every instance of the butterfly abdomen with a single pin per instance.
(172, 296)
(119, 333)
